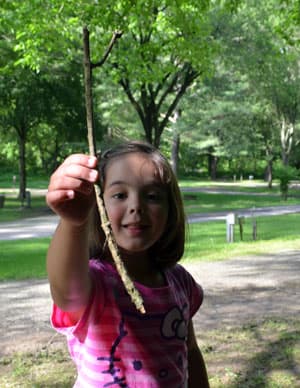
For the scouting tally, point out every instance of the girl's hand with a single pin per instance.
(71, 188)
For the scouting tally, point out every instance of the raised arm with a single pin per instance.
(71, 196)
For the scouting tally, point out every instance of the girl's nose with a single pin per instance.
(136, 205)
(136, 209)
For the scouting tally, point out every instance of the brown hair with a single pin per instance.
(170, 247)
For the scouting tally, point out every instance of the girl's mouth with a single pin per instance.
(135, 229)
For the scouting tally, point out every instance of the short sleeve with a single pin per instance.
(191, 288)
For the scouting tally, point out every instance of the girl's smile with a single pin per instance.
(136, 202)
(135, 229)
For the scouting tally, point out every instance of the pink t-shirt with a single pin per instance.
(113, 345)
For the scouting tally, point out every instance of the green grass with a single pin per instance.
(207, 241)
(13, 210)
(264, 353)
(230, 185)
(206, 202)
(194, 203)
(23, 259)
(254, 186)
(34, 181)
(44, 368)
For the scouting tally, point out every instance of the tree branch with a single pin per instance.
(129, 286)
(189, 76)
(126, 86)
(115, 37)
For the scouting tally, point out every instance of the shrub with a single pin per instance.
(285, 174)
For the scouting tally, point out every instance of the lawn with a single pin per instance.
(34, 181)
(261, 354)
(205, 241)
(194, 203)
(23, 259)
(13, 210)
(213, 202)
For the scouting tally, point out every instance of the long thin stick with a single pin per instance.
(129, 286)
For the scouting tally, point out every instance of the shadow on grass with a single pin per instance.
(278, 356)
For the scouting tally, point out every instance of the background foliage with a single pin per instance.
(214, 84)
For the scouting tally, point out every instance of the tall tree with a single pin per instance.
(217, 119)
(21, 106)
(29, 98)
(166, 45)
(270, 61)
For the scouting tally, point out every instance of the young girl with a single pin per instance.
(112, 344)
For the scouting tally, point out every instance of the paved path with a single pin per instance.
(237, 292)
(28, 228)
(254, 212)
(45, 226)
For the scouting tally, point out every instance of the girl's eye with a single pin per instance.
(119, 195)
(154, 196)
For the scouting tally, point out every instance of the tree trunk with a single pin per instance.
(269, 173)
(269, 168)
(212, 166)
(22, 163)
(286, 136)
(175, 152)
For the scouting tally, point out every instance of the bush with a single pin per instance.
(285, 174)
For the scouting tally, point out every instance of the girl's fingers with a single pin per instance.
(54, 198)
(76, 175)
(71, 187)
(79, 166)
(81, 159)
(79, 172)
(66, 183)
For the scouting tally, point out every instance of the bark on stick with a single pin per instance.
(88, 66)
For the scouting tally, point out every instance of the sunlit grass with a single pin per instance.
(43, 368)
(246, 186)
(245, 183)
(194, 202)
(10, 180)
(207, 241)
(23, 259)
(205, 203)
(13, 210)
(263, 353)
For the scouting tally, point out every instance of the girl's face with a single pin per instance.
(136, 202)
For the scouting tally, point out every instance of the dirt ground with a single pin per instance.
(236, 291)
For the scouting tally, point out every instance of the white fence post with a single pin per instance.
(230, 221)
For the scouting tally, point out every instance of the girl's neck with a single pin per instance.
(142, 269)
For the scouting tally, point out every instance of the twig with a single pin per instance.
(88, 66)
(116, 35)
